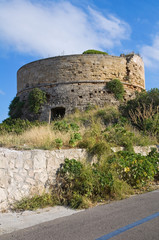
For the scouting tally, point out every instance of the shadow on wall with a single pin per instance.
(58, 112)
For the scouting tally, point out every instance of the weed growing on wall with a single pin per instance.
(15, 108)
(36, 99)
(92, 51)
(116, 87)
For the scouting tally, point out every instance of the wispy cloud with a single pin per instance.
(50, 28)
(150, 53)
(1, 92)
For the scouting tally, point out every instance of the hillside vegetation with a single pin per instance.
(96, 129)
(114, 175)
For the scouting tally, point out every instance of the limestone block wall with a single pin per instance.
(25, 173)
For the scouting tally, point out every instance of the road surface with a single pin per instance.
(128, 219)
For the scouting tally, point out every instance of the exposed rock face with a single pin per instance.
(78, 80)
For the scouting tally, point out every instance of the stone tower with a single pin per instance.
(75, 81)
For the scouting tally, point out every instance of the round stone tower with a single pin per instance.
(75, 81)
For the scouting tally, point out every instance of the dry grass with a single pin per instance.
(37, 137)
(10, 140)
(140, 139)
(91, 127)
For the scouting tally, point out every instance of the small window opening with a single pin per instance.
(58, 112)
(48, 97)
(80, 97)
(72, 90)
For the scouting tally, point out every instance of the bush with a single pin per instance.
(74, 139)
(74, 180)
(143, 111)
(133, 168)
(15, 108)
(120, 136)
(116, 87)
(99, 148)
(58, 143)
(64, 126)
(92, 51)
(102, 181)
(36, 99)
(108, 115)
(16, 125)
(80, 185)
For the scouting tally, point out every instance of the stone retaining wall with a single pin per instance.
(25, 173)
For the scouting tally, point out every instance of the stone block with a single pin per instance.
(3, 179)
(3, 160)
(39, 160)
(3, 195)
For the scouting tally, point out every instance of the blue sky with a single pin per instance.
(32, 29)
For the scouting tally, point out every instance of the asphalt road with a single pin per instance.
(98, 222)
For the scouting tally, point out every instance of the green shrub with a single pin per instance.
(15, 108)
(116, 87)
(125, 136)
(92, 51)
(64, 126)
(120, 189)
(79, 202)
(79, 185)
(108, 115)
(143, 111)
(58, 143)
(74, 139)
(74, 180)
(133, 168)
(36, 99)
(102, 181)
(17, 125)
(71, 167)
(99, 148)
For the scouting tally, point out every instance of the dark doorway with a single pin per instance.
(58, 112)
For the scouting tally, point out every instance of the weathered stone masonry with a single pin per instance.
(78, 80)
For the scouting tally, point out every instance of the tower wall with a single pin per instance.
(75, 81)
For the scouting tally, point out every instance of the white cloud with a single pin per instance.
(1, 92)
(150, 53)
(51, 28)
